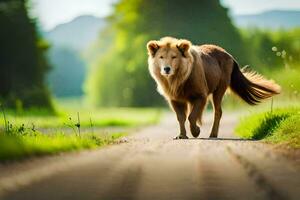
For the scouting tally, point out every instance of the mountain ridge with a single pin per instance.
(272, 19)
(78, 33)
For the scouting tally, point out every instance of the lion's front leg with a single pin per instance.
(197, 107)
(180, 109)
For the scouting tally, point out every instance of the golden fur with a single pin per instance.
(186, 75)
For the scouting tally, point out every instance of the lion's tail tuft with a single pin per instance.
(251, 86)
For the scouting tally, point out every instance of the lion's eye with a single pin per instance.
(173, 57)
(161, 57)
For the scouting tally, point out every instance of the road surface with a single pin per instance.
(149, 165)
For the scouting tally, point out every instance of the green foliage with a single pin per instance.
(289, 80)
(23, 64)
(120, 77)
(281, 125)
(269, 50)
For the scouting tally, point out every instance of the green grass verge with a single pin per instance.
(282, 126)
(22, 144)
(20, 137)
(101, 117)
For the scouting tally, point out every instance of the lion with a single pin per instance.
(186, 75)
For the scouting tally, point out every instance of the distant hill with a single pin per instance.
(68, 41)
(76, 34)
(68, 74)
(271, 19)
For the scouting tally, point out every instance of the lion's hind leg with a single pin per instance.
(200, 115)
(217, 101)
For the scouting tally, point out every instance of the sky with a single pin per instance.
(238, 7)
(53, 12)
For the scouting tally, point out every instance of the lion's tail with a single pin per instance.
(251, 86)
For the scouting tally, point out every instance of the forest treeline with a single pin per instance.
(118, 73)
(23, 62)
(272, 49)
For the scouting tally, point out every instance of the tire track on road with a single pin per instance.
(221, 177)
(262, 183)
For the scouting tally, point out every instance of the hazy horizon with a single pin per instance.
(50, 15)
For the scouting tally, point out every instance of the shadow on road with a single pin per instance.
(221, 139)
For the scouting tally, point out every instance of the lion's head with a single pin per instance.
(170, 61)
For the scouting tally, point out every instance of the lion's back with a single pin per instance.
(214, 51)
(217, 64)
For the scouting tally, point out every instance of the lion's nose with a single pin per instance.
(167, 69)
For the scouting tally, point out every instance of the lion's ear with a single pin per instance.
(152, 47)
(184, 46)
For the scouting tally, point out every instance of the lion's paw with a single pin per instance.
(181, 137)
(195, 131)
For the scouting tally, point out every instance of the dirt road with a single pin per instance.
(150, 166)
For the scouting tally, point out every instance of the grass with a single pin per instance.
(20, 138)
(101, 117)
(26, 143)
(281, 126)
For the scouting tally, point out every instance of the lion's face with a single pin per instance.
(169, 57)
(168, 61)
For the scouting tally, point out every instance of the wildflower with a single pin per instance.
(274, 48)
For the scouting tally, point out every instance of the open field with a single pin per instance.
(88, 117)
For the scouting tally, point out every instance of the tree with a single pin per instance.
(120, 77)
(23, 64)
